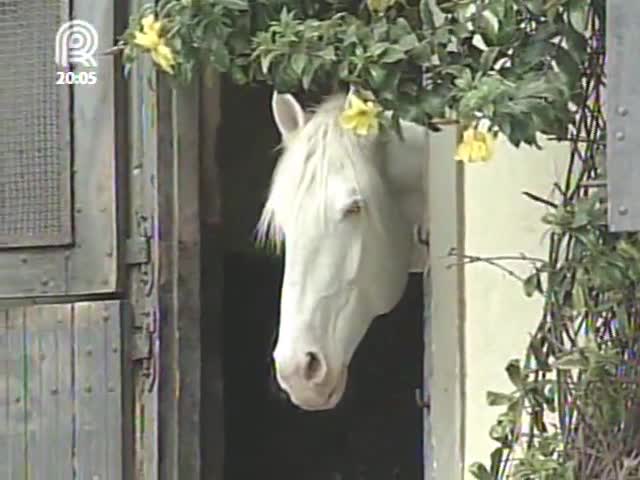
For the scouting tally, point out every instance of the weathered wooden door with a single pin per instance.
(61, 311)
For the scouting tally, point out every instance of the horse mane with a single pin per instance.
(322, 147)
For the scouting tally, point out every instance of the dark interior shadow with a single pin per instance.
(376, 431)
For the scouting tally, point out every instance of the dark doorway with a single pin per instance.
(376, 431)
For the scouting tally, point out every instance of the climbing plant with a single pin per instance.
(508, 66)
(574, 411)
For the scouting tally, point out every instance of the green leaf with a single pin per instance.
(328, 53)
(238, 75)
(434, 102)
(379, 48)
(497, 7)
(479, 471)
(488, 58)
(514, 371)
(343, 70)
(426, 15)
(499, 432)
(623, 319)
(396, 125)
(571, 361)
(568, 66)
(579, 298)
(392, 54)
(536, 6)
(309, 71)
(265, 61)
(238, 5)
(496, 462)
(576, 43)
(298, 62)
(532, 284)
(578, 14)
(496, 399)
(408, 42)
(221, 58)
(421, 54)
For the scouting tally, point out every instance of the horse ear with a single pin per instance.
(287, 112)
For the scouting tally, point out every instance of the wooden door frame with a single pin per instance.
(186, 211)
(179, 148)
(164, 279)
(178, 294)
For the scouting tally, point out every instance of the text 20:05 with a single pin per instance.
(80, 78)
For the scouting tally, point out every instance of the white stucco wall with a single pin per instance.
(480, 315)
(498, 317)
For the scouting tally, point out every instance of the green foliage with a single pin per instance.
(574, 411)
(582, 361)
(516, 63)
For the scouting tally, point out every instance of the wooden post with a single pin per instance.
(178, 237)
(212, 426)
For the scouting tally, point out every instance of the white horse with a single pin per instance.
(345, 207)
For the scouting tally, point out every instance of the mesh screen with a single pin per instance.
(34, 153)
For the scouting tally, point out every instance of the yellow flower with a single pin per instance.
(163, 56)
(150, 39)
(361, 116)
(379, 6)
(476, 146)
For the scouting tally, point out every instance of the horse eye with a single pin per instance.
(353, 209)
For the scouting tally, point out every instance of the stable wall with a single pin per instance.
(499, 318)
(481, 318)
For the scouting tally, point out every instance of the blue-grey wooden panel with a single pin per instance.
(90, 264)
(98, 420)
(623, 114)
(60, 392)
(48, 391)
(12, 428)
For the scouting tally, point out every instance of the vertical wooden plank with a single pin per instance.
(212, 424)
(4, 397)
(48, 342)
(447, 318)
(15, 374)
(427, 372)
(98, 437)
(111, 320)
(142, 176)
(178, 291)
(89, 390)
(427, 364)
(623, 114)
(92, 266)
(187, 294)
(33, 410)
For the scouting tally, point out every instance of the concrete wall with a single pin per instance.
(481, 317)
(499, 220)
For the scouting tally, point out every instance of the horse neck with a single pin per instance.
(405, 169)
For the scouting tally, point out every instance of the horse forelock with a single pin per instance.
(299, 183)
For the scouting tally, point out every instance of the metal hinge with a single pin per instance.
(144, 329)
(137, 251)
(141, 348)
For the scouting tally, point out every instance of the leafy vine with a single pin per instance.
(574, 412)
(513, 64)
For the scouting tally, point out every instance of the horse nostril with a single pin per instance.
(314, 368)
